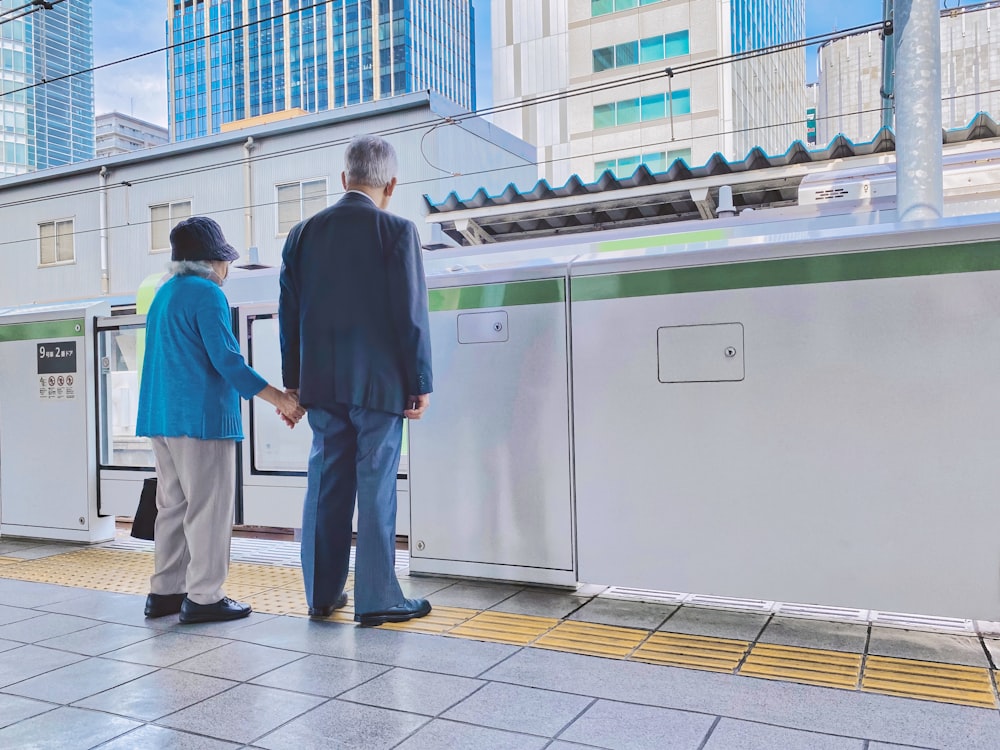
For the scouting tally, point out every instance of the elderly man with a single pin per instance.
(355, 349)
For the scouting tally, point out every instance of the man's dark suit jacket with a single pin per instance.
(353, 309)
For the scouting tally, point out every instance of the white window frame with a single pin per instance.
(277, 204)
(170, 220)
(55, 223)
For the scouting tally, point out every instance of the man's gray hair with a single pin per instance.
(370, 161)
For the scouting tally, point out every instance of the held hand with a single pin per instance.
(416, 406)
(289, 409)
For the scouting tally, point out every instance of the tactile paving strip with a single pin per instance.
(440, 620)
(806, 665)
(692, 651)
(593, 640)
(946, 683)
(500, 627)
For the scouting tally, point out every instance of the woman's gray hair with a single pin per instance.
(190, 268)
(370, 161)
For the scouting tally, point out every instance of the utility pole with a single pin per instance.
(917, 32)
(888, 63)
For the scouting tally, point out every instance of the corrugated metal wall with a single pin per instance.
(211, 174)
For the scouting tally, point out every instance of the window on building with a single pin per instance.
(651, 107)
(163, 218)
(650, 49)
(55, 243)
(603, 7)
(298, 201)
(625, 166)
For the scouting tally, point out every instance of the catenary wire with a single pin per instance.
(81, 232)
(532, 101)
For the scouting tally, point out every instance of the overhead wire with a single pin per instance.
(27, 9)
(398, 130)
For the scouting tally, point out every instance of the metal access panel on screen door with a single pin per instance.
(710, 353)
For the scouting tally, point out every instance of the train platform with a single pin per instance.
(494, 666)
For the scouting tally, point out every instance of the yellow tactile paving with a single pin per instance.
(945, 683)
(694, 651)
(10, 560)
(808, 665)
(518, 630)
(591, 639)
(440, 620)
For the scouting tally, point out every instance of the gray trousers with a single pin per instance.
(195, 497)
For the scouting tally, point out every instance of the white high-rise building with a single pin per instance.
(850, 75)
(550, 48)
(118, 134)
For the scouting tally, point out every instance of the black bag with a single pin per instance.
(145, 514)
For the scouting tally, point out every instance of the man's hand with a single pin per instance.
(417, 405)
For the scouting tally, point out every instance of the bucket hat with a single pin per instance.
(200, 238)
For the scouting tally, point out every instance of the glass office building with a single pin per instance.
(51, 124)
(265, 57)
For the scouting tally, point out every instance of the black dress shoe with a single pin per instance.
(224, 609)
(408, 610)
(329, 609)
(161, 605)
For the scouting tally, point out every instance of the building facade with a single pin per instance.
(273, 55)
(51, 124)
(850, 75)
(118, 133)
(549, 49)
(257, 183)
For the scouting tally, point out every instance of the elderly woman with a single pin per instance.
(189, 404)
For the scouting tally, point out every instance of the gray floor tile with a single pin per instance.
(16, 614)
(421, 587)
(157, 694)
(350, 724)
(29, 594)
(394, 648)
(623, 726)
(415, 692)
(625, 614)
(64, 728)
(8, 645)
(101, 639)
(827, 711)
(447, 735)
(540, 604)
(14, 708)
(941, 647)
(42, 627)
(321, 675)
(720, 623)
(28, 661)
(151, 737)
(473, 596)
(43, 550)
(77, 681)
(832, 636)
(13, 545)
(166, 649)
(238, 661)
(227, 629)
(561, 745)
(741, 735)
(883, 746)
(519, 709)
(993, 645)
(107, 606)
(242, 714)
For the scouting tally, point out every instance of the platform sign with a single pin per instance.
(56, 369)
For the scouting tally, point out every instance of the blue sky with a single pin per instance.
(127, 27)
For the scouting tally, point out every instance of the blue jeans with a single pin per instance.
(355, 452)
